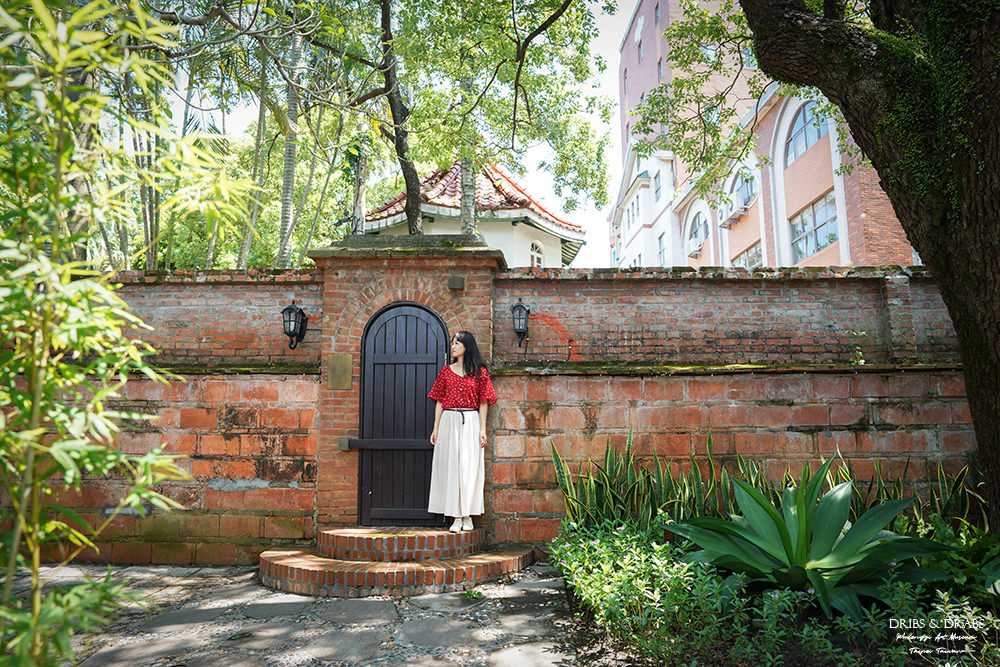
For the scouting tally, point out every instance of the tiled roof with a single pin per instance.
(495, 191)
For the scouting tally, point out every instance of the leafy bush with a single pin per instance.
(639, 589)
(809, 543)
(971, 567)
(957, 497)
(645, 595)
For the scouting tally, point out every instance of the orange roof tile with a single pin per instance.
(495, 191)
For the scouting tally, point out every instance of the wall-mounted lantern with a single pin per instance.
(520, 314)
(294, 321)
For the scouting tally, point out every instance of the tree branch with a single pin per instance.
(371, 94)
(522, 52)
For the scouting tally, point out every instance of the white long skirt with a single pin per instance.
(458, 467)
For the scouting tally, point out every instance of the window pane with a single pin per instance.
(799, 251)
(800, 144)
(796, 224)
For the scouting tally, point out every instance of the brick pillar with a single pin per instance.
(451, 275)
(901, 337)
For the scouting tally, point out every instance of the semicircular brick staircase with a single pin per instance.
(389, 560)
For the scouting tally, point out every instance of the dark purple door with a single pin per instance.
(403, 348)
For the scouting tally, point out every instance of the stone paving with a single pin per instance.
(222, 617)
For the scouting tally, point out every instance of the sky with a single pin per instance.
(596, 252)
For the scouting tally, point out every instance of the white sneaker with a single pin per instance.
(456, 527)
(467, 523)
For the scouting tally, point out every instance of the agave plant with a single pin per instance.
(808, 542)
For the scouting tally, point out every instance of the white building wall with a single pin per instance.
(513, 239)
(640, 239)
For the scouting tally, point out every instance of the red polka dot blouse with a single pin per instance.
(462, 391)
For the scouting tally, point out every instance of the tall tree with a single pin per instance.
(916, 82)
(283, 259)
(400, 135)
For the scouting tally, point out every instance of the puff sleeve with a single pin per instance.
(485, 387)
(440, 388)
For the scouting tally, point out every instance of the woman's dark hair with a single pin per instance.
(472, 361)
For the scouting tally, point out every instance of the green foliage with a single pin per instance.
(65, 346)
(639, 589)
(958, 497)
(461, 63)
(56, 115)
(697, 113)
(65, 611)
(701, 113)
(971, 567)
(621, 490)
(808, 542)
(643, 593)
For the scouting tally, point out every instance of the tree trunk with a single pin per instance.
(283, 259)
(930, 125)
(154, 200)
(322, 194)
(210, 256)
(400, 114)
(312, 170)
(258, 174)
(468, 214)
(85, 135)
(468, 197)
(172, 222)
(360, 178)
(122, 228)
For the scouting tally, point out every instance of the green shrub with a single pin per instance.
(809, 543)
(971, 567)
(645, 595)
(638, 589)
(620, 490)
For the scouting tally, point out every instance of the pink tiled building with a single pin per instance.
(788, 205)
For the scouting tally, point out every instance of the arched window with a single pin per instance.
(744, 188)
(537, 254)
(806, 130)
(697, 234)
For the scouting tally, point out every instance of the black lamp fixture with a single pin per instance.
(294, 321)
(520, 314)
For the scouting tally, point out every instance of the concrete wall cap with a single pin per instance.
(723, 273)
(301, 276)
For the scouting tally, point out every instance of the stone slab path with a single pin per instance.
(222, 617)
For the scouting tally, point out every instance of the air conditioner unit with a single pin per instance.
(731, 215)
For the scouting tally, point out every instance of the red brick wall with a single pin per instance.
(778, 419)
(358, 284)
(716, 317)
(884, 236)
(249, 443)
(265, 449)
(876, 236)
(224, 319)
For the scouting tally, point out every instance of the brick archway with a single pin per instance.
(357, 284)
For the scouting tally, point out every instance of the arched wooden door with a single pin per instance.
(403, 348)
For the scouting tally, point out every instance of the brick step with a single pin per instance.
(396, 543)
(305, 572)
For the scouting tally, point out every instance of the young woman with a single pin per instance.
(464, 392)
